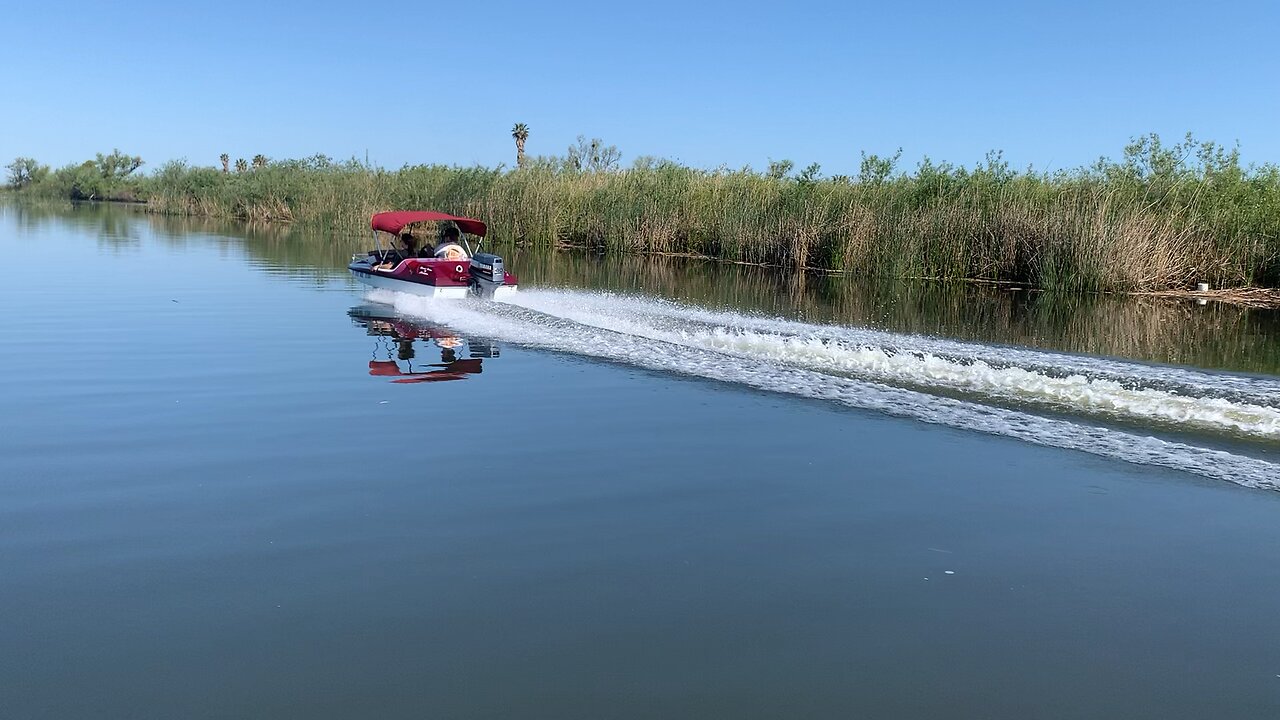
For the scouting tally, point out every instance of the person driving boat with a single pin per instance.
(407, 249)
(408, 245)
(449, 247)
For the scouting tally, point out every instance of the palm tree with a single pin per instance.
(259, 161)
(241, 165)
(226, 162)
(520, 133)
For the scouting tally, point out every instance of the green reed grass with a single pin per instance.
(1161, 217)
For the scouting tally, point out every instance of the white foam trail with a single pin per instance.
(1115, 393)
(516, 325)
(604, 304)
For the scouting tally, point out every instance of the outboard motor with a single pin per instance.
(487, 274)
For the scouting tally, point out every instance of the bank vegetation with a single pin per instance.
(1162, 217)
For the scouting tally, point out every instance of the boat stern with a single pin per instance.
(489, 277)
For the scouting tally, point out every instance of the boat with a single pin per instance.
(449, 269)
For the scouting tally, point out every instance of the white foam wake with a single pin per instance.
(1115, 389)
(803, 367)
(605, 304)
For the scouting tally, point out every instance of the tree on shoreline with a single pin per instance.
(779, 169)
(25, 171)
(592, 155)
(520, 133)
(117, 165)
(876, 169)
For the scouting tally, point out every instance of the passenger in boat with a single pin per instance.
(408, 245)
(449, 247)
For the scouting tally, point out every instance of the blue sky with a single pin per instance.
(1052, 84)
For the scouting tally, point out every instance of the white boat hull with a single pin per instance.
(454, 292)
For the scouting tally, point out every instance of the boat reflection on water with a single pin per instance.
(396, 354)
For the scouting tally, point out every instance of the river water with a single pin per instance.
(235, 484)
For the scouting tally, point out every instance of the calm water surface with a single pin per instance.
(233, 484)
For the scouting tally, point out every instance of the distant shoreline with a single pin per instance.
(1245, 296)
(1161, 221)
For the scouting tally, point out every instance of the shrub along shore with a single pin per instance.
(1163, 217)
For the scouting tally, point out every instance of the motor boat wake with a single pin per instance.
(449, 269)
(397, 357)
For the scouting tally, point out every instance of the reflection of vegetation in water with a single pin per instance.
(297, 250)
(1158, 330)
(112, 227)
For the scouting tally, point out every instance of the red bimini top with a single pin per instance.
(394, 222)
